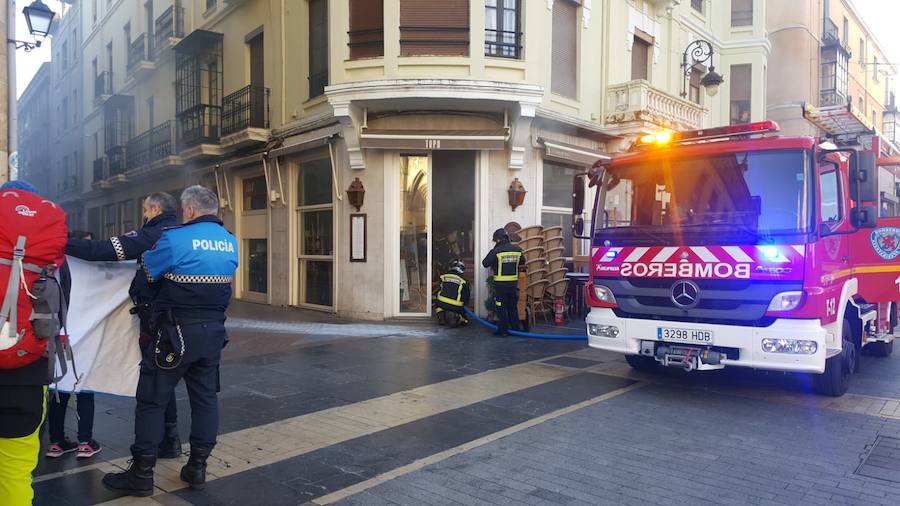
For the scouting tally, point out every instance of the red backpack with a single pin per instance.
(32, 247)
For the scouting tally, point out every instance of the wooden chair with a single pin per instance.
(536, 264)
(552, 232)
(553, 242)
(531, 242)
(552, 254)
(534, 296)
(556, 275)
(531, 231)
(535, 276)
(558, 288)
(535, 253)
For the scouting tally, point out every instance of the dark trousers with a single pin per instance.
(172, 406)
(506, 298)
(200, 369)
(57, 416)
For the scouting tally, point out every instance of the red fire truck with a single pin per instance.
(735, 247)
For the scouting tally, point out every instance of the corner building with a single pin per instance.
(435, 106)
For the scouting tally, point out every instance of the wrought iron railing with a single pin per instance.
(830, 33)
(137, 51)
(245, 108)
(169, 24)
(151, 146)
(117, 160)
(199, 125)
(103, 84)
(502, 44)
(100, 169)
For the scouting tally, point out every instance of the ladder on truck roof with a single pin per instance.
(843, 123)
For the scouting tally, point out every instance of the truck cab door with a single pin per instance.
(834, 233)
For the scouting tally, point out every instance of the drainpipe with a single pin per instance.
(283, 67)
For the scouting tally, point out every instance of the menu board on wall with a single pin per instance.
(358, 237)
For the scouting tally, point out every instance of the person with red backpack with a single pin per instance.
(32, 315)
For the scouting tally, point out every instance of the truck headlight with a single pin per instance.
(610, 331)
(786, 301)
(790, 346)
(604, 294)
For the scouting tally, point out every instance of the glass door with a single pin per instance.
(254, 205)
(415, 241)
(315, 212)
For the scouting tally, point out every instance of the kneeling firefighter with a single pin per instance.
(504, 260)
(453, 296)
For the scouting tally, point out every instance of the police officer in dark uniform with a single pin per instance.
(504, 260)
(193, 266)
(159, 213)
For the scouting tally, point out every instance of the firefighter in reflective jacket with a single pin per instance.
(454, 293)
(504, 260)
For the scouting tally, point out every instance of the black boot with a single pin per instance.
(170, 448)
(194, 472)
(137, 480)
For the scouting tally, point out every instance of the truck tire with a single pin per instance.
(836, 378)
(642, 363)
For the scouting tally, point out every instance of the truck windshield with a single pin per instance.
(740, 198)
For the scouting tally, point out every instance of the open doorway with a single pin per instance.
(453, 214)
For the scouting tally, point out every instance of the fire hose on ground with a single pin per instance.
(518, 333)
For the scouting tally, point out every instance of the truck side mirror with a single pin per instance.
(578, 195)
(578, 227)
(864, 216)
(864, 178)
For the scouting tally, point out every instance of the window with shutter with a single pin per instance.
(740, 94)
(434, 28)
(640, 59)
(366, 29)
(318, 47)
(502, 35)
(564, 67)
(741, 12)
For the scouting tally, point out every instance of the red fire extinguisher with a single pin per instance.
(559, 308)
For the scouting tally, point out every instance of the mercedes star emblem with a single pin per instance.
(685, 294)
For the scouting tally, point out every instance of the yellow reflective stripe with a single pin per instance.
(510, 277)
(450, 301)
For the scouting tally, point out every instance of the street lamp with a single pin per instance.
(700, 51)
(40, 19)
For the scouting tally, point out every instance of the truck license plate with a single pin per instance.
(684, 335)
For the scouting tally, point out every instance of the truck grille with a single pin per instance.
(731, 302)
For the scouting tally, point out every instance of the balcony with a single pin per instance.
(830, 33)
(101, 171)
(636, 106)
(245, 117)
(117, 162)
(198, 132)
(139, 62)
(169, 29)
(153, 149)
(103, 86)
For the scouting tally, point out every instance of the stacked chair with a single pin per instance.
(545, 272)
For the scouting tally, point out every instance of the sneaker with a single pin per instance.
(88, 450)
(61, 448)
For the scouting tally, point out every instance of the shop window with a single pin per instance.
(255, 194)
(315, 216)
(110, 221)
(740, 94)
(366, 29)
(126, 211)
(556, 210)
(502, 35)
(94, 224)
(256, 258)
(564, 65)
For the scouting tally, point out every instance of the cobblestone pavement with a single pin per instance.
(317, 411)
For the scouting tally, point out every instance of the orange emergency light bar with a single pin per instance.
(747, 129)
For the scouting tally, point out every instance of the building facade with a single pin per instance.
(359, 146)
(34, 132)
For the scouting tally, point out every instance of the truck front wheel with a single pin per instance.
(642, 363)
(836, 378)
